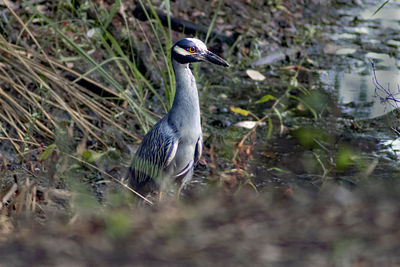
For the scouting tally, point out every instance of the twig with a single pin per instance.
(388, 97)
(110, 176)
(8, 195)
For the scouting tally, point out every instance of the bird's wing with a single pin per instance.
(155, 154)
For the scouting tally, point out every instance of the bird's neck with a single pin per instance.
(186, 101)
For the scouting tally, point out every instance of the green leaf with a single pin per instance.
(308, 136)
(344, 158)
(86, 155)
(265, 99)
(46, 154)
(91, 156)
(270, 127)
(252, 185)
(280, 120)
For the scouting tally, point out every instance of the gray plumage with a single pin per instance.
(171, 149)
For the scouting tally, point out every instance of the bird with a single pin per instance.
(173, 146)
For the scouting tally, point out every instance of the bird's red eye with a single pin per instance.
(192, 49)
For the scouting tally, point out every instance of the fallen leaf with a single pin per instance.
(246, 124)
(345, 51)
(295, 67)
(269, 154)
(249, 124)
(255, 75)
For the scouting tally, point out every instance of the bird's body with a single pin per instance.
(171, 149)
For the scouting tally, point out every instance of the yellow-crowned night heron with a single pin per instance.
(171, 149)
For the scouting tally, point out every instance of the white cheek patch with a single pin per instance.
(200, 45)
(181, 51)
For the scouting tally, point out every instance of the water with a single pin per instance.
(362, 38)
(360, 55)
(367, 38)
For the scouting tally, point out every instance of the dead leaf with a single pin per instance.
(345, 51)
(246, 124)
(255, 75)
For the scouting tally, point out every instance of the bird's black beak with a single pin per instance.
(213, 58)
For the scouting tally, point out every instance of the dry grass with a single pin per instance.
(34, 86)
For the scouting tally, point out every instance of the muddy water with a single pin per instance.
(360, 68)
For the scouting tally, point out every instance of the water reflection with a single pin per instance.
(354, 77)
(388, 16)
(374, 38)
(352, 45)
(358, 95)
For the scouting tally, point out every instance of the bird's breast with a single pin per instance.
(186, 150)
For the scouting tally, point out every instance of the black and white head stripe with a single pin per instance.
(193, 50)
(188, 50)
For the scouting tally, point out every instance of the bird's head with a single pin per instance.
(190, 50)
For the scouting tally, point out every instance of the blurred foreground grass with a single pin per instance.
(335, 227)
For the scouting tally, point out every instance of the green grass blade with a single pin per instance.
(141, 115)
(169, 79)
(270, 128)
(280, 119)
(114, 10)
(214, 18)
(306, 105)
(379, 8)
